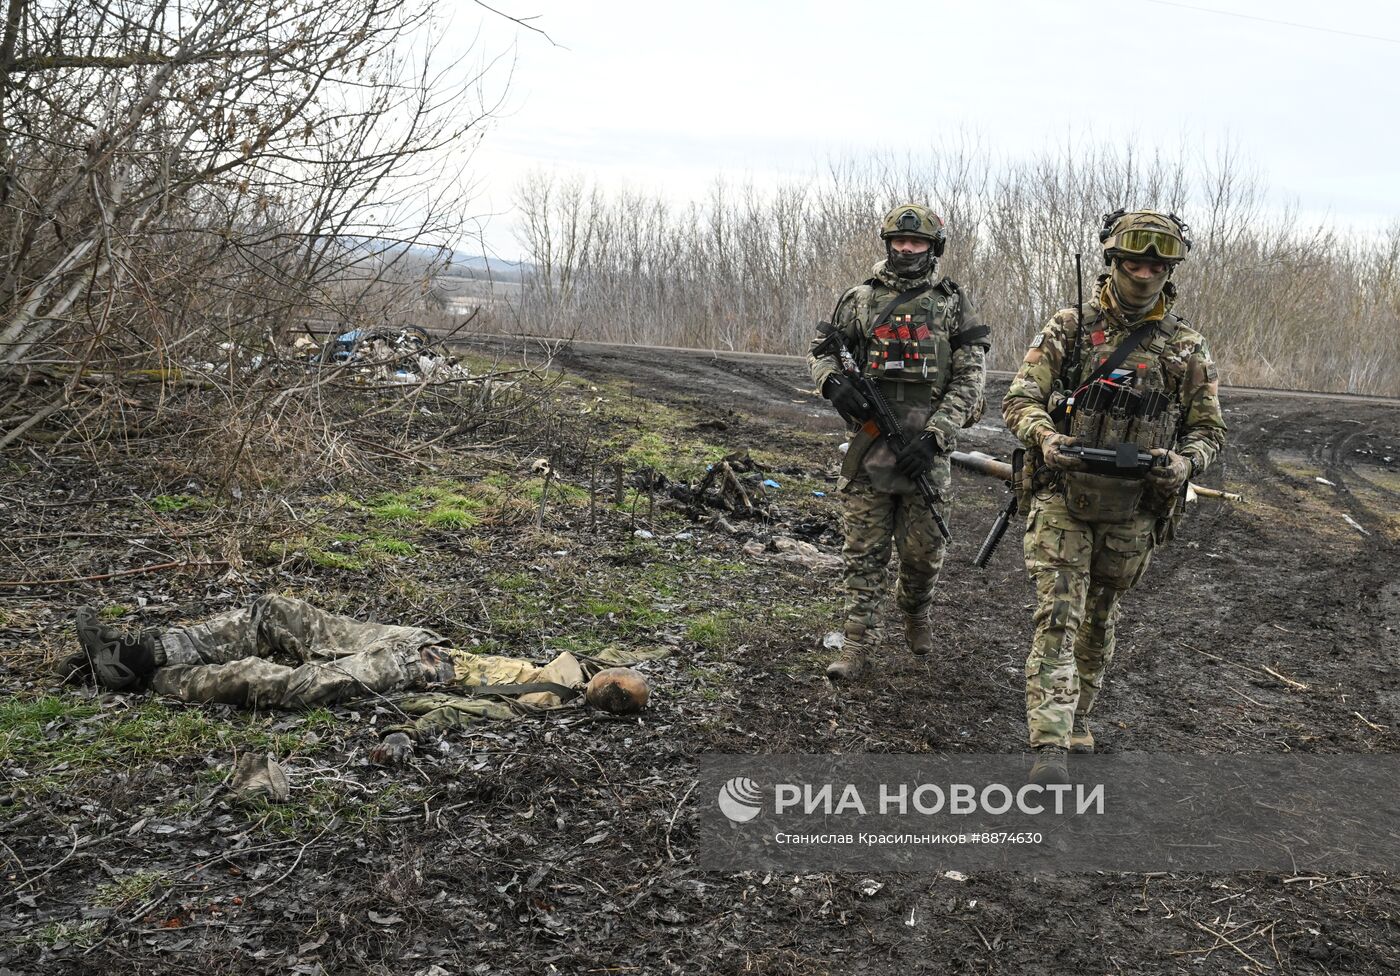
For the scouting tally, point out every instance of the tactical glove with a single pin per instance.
(1173, 475)
(916, 456)
(1050, 444)
(848, 401)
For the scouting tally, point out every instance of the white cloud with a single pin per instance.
(669, 96)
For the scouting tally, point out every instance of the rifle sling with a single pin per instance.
(564, 692)
(897, 301)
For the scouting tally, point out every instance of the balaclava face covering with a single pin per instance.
(908, 265)
(1137, 295)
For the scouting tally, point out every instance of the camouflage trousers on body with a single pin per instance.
(874, 520)
(225, 658)
(1081, 571)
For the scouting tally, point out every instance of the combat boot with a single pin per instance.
(119, 662)
(1050, 766)
(851, 664)
(918, 632)
(1081, 740)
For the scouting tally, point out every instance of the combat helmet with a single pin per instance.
(913, 220)
(1146, 234)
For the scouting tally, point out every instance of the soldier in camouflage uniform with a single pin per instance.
(918, 335)
(1089, 536)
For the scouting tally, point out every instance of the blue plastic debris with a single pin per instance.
(770, 483)
(819, 494)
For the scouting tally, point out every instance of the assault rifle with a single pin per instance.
(883, 423)
(989, 545)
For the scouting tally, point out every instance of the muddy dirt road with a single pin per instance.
(566, 843)
(1267, 626)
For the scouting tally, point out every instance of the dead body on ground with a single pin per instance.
(282, 652)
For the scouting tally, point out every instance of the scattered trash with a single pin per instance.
(1324, 481)
(683, 536)
(770, 483)
(819, 494)
(402, 355)
(1354, 524)
(870, 887)
(260, 776)
(834, 640)
(792, 550)
(954, 875)
(797, 551)
(643, 534)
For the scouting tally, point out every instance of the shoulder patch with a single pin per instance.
(1038, 340)
(1211, 372)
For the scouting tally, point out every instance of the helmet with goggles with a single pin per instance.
(1147, 235)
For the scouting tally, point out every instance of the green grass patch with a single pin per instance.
(511, 582)
(713, 631)
(61, 738)
(326, 559)
(451, 517)
(178, 503)
(112, 611)
(394, 511)
(387, 546)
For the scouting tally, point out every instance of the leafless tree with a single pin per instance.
(1283, 303)
(190, 183)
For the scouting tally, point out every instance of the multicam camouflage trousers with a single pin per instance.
(1081, 571)
(874, 519)
(224, 659)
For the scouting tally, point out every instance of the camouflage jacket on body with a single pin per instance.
(1187, 373)
(929, 358)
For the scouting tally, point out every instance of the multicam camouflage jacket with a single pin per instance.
(1184, 368)
(928, 356)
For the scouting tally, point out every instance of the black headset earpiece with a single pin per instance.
(1109, 219)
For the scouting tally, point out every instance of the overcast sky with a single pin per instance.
(667, 96)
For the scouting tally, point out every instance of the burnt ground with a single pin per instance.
(566, 843)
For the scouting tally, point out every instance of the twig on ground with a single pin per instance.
(158, 567)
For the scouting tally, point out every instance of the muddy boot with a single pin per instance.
(1050, 766)
(1081, 740)
(851, 664)
(119, 662)
(918, 632)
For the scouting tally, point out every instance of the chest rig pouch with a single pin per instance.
(908, 340)
(1127, 411)
(906, 350)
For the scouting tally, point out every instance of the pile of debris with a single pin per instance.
(392, 355)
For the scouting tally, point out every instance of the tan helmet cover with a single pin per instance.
(621, 691)
(1143, 233)
(912, 220)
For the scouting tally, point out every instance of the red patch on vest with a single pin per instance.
(1098, 337)
(921, 332)
(884, 332)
